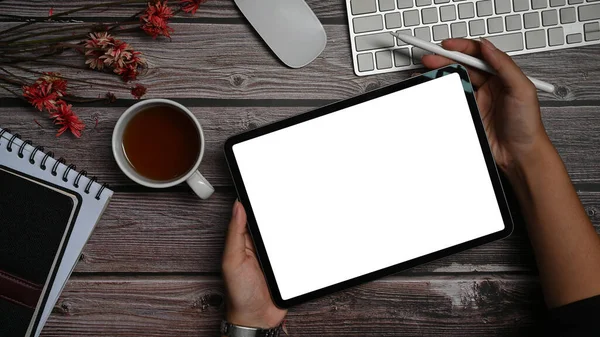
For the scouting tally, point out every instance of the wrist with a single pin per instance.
(532, 164)
(252, 321)
(530, 159)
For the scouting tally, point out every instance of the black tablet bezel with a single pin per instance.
(253, 226)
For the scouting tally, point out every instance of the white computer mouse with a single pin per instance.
(289, 27)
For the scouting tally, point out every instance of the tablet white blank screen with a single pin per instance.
(370, 186)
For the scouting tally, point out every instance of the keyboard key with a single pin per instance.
(550, 18)
(411, 18)
(363, 6)
(448, 13)
(466, 10)
(507, 42)
(575, 2)
(589, 12)
(495, 25)
(484, 8)
(402, 57)
(402, 4)
(387, 5)
(531, 20)
(423, 33)
(535, 39)
(440, 32)
(574, 38)
(417, 53)
(513, 22)
(429, 15)
(458, 29)
(404, 31)
(374, 41)
(421, 3)
(393, 20)
(476, 27)
(437, 2)
(367, 24)
(502, 6)
(383, 59)
(520, 5)
(539, 4)
(556, 36)
(365, 62)
(591, 31)
(557, 3)
(567, 15)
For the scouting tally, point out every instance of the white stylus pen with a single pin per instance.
(464, 58)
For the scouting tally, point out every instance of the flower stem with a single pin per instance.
(62, 38)
(9, 42)
(11, 91)
(57, 15)
(68, 78)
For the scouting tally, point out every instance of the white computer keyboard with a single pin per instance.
(515, 26)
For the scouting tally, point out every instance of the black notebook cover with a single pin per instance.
(36, 219)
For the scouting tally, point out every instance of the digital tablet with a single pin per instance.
(369, 186)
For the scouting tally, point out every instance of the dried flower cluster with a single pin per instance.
(46, 94)
(103, 50)
(156, 18)
(190, 6)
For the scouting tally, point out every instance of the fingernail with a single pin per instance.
(236, 207)
(488, 44)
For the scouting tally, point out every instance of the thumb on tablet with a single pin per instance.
(235, 243)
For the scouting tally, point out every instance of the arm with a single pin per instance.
(566, 246)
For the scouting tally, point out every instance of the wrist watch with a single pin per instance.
(232, 330)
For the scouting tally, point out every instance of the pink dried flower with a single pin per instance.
(155, 20)
(102, 50)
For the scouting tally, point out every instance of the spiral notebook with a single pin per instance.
(47, 213)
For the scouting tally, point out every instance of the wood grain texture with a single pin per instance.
(407, 306)
(574, 130)
(230, 61)
(211, 9)
(177, 232)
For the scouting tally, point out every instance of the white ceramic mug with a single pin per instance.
(193, 177)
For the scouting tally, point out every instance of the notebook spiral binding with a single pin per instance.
(54, 170)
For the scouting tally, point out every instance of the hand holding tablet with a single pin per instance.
(364, 173)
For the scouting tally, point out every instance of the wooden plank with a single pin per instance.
(230, 61)
(574, 130)
(408, 306)
(211, 9)
(177, 232)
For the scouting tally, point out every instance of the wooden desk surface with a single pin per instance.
(152, 266)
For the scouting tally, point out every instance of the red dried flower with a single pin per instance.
(190, 6)
(41, 95)
(138, 91)
(155, 19)
(59, 84)
(110, 97)
(64, 116)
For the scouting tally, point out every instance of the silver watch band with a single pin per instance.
(232, 330)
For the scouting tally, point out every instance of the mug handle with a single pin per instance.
(200, 185)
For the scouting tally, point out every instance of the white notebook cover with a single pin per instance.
(89, 213)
